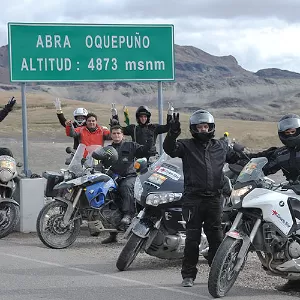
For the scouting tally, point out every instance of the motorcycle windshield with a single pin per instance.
(77, 164)
(253, 171)
(163, 158)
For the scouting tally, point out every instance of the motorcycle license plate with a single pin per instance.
(140, 230)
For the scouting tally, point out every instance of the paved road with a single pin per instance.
(87, 270)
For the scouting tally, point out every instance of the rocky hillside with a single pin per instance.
(216, 83)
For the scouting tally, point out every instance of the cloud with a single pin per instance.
(258, 34)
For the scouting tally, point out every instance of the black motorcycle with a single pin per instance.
(159, 228)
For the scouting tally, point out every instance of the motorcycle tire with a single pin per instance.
(54, 235)
(222, 275)
(129, 252)
(8, 223)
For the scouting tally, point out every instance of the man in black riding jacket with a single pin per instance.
(287, 159)
(124, 168)
(144, 130)
(203, 158)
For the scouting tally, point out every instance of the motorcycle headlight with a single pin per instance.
(156, 199)
(6, 175)
(138, 189)
(67, 175)
(237, 194)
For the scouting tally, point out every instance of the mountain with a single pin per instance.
(216, 83)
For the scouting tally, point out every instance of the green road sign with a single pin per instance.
(90, 52)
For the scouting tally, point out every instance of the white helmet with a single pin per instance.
(80, 112)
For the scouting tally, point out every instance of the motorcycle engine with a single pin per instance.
(294, 249)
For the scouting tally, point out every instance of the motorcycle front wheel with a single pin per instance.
(51, 229)
(9, 217)
(129, 252)
(222, 275)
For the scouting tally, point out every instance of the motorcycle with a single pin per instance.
(267, 222)
(9, 208)
(82, 192)
(159, 227)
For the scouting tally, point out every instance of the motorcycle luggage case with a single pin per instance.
(53, 178)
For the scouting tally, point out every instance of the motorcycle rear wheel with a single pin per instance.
(222, 275)
(129, 252)
(50, 228)
(9, 217)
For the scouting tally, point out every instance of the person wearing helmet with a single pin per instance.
(286, 159)
(203, 158)
(145, 130)
(79, 115)
(127, 151)
(91, 134)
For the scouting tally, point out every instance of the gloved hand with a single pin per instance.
(114, 122)
(11, 103)
(174, 123)
(57, 104)
(169, 118)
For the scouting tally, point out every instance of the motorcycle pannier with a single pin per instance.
(53, 178)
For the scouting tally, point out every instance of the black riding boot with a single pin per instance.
(111, 239)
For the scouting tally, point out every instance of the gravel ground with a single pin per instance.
(45, 155)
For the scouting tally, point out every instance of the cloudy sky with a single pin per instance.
(258, 33)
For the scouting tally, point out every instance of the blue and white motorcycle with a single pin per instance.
(82, 192)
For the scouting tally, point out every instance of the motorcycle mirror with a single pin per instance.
(238, 147)
(19, 164)
(141, 165)
(69, 150)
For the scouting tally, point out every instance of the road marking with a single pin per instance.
(199, 296)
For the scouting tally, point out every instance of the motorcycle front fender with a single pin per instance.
(9, 200)
(142, 228)
(69, 211)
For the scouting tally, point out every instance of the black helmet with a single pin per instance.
(287, 122)
(108, 155)
(142, 110)
(198, 117)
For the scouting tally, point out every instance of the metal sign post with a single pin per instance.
(160, 114)
(26, 171)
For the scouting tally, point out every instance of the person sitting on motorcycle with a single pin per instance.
(3, 114)
(90, 134)
(286, 159)
(203, 158)
(144, 129)
(124, 167)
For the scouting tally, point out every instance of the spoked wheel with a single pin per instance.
(129, 252)
(9, 217)
(51, 229)
(222, 275)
